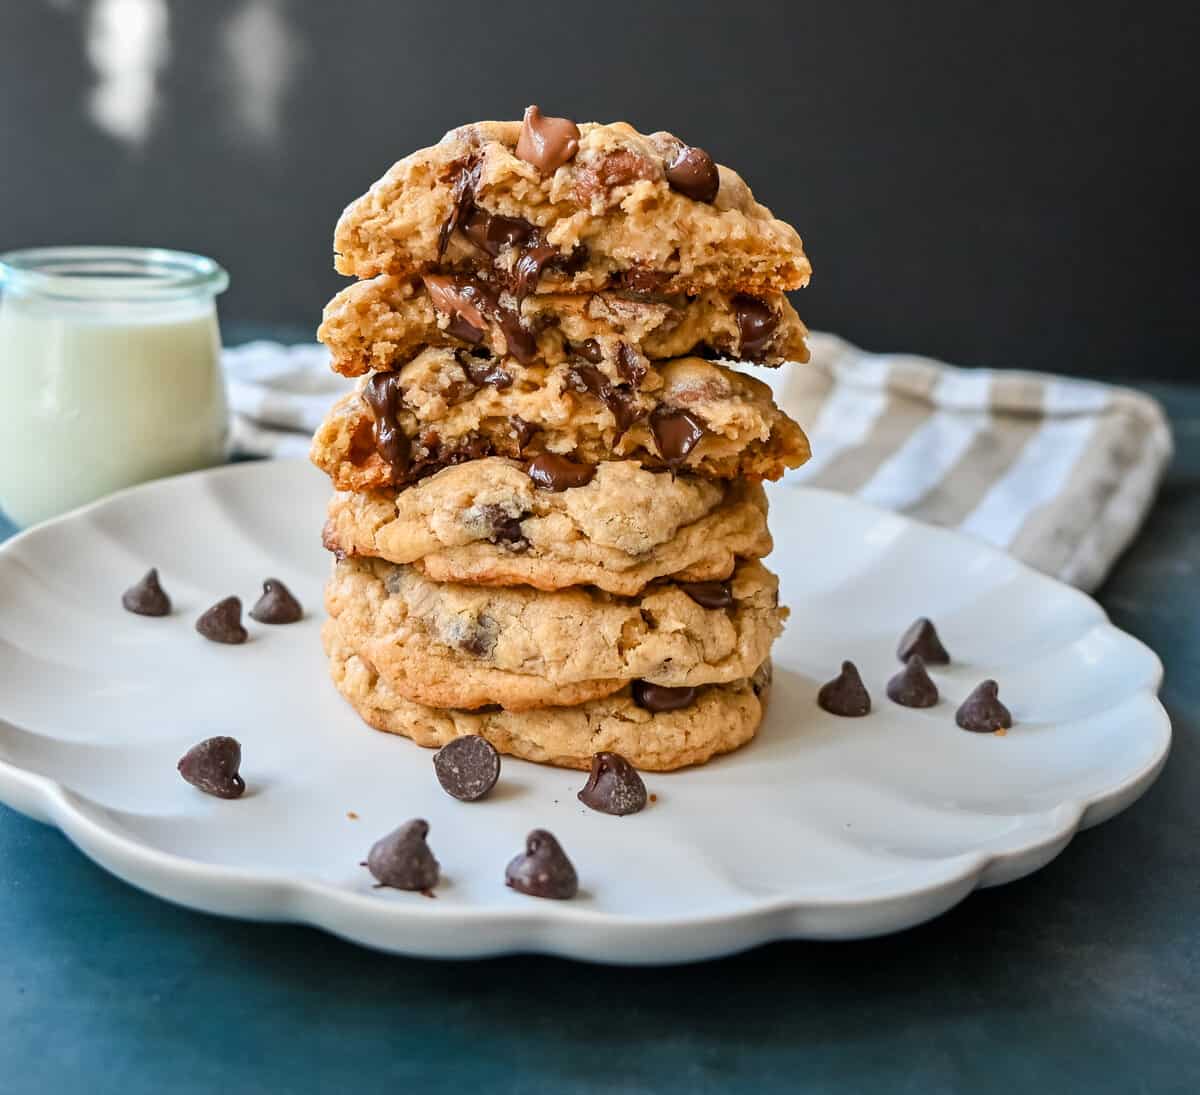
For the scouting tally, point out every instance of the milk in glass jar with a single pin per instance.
(110, 373)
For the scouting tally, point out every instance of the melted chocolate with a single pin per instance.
(462, 199)
(556, 473)
(632, 371)
(756, 324)
(619, 401)
(529, 268)
(589, 350)
(709, 594)
(676, 433)
(385, 397)
(486, 373)
(523, 431)
(493, 233)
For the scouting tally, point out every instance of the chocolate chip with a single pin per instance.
(403, 860)
(503, 526)
(552, 472)
(223, 622)
(546, 142)
(922, 638)
(519, 340)
(385, 397)
(642, 281)
(467, 767)
(619, 401)
(464, 301)
(276, 605)
(629, 366)
(529, 268)
(147, 598)
(523, 431)
(912, 686)
(589, 350)
(462, 199)
(676, 433)
(846, 694)
(756, 324)
(476, 637)
(212, 766)
(543, 869)
(982, 712)
(657, 697)
(694, 174)
(708, 594)
(613, 786)
(487, 374)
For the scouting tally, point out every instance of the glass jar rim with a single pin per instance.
(100, 274)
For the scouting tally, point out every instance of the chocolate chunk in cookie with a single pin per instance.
(676, 433)
(922, 638)
(467, 767)
(613, 786)
(982, 712)
(147, 597)
(212, 767)
(223, 622)
(694, 174)
(708, 594)
(547, 142)
(756, 326)
(276, 605)
(912, 686)
(656, 697)
(556, 473)
(385, 397)
(845, 695)
(543, 869)
(402, 859)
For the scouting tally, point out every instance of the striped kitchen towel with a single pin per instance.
(1059, 472)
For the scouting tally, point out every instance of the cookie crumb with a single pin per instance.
(653, 797)
(1000, 733)
(352, 815)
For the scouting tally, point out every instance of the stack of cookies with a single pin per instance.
(549, 516)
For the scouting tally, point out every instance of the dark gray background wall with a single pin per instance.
(997, 183)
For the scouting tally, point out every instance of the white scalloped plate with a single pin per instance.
(822, 828)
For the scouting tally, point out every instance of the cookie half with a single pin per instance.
(448, 407)
(611, 215)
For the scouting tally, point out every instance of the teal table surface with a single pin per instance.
(1082, 977)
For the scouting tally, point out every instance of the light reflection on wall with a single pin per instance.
(127, 45)
(262, 53)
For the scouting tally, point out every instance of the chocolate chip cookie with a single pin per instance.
(717, 719)
(488, 523)
(447, 644)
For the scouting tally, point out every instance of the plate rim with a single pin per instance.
(554, 929)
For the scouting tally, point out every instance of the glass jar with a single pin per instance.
(110, 373)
